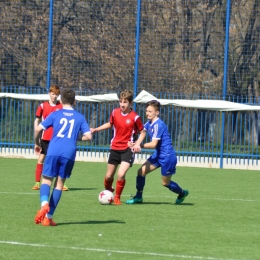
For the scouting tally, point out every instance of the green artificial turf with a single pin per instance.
(218, 220)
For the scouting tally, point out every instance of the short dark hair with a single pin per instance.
(68, 96)
(154, 103)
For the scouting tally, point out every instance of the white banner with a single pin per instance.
(216, 105)
(144, 96)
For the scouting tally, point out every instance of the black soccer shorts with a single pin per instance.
(116, 157)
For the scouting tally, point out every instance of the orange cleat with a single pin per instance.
(65, 188)
(36, 186)
(48, 222)
(117, 201)
(41, 214)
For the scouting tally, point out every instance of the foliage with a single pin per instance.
(182, 45)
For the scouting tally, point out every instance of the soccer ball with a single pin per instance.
(106, 197)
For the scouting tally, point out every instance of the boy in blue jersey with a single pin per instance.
(67, 125)
(164, 155)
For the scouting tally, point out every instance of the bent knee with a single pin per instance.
(164, 184)
(140, 172)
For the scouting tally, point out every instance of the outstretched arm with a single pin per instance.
(102, 127)
(86, 137)
(138, 144)
(150, 145)
(136, 148)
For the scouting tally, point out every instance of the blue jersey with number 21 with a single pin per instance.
(67, 124)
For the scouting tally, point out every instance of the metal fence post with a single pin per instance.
(137, 39)
(49, 47)
(225, 82)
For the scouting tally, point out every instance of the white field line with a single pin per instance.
(109, 252)
(146, 196)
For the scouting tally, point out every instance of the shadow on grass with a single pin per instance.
(91, 222)
(185, 204)
(150, 203)
(76, 189)
(163, 203)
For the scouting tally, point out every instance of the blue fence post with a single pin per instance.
(137, 40)
(224, 92)
(48, 81)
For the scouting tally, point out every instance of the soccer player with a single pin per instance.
(164, 156)
(67, 125)
(126, 124)
(42, 112)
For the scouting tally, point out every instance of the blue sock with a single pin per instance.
(54, 200)
(44, 192)
(174, 187)
(140, 182)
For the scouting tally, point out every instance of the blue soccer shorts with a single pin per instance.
(55, 166)
(167, 164)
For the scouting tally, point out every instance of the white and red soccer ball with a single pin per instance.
(106, 197)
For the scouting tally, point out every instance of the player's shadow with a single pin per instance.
(184, 204)
(153, 203)
(77, 189)
(165, 203)
(92, 222)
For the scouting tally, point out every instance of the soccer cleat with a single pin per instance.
(36, 186)
(182, 197)
(117, 201)
(48, 222)
(134, 200)
(65, 188)
(41, 213)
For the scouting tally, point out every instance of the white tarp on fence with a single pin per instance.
(144, 96)
(216, 105)
(43, 97)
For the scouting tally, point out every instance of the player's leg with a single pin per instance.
(146, 168)
(54, 201)
(50, 171)
(65, 187)
(168, 168)
(109, 177)
(39, 166)
(171, 185)
(38, 171)
(44, 199)
(126, 159)
(120, 183)
(64, 171)
(113, 162)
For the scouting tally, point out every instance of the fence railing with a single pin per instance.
(194, 132)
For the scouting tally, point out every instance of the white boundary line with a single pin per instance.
(114, 251)
(221, 199)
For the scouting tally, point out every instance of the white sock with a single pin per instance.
(44, 203)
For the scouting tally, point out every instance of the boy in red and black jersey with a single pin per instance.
(126, 124)
(41, 114)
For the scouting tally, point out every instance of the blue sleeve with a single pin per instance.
(48, 122)
(157, 131)
(84, 127)
(146, 126)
